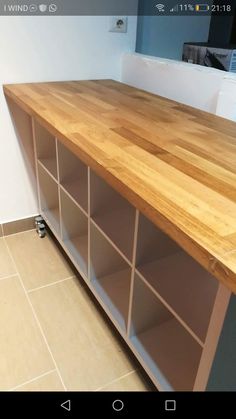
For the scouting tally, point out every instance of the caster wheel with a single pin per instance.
(40, 227)
(41, 230)
(38, 220)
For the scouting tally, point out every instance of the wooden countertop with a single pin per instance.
(176, 164)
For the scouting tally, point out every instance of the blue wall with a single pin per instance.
(163, 36)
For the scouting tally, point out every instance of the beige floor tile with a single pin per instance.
(84, 348)
(49, 382)
(131, 382)
(6, 265)
(38, 261)
(23, 352)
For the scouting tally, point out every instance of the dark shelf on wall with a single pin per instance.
(222, 32)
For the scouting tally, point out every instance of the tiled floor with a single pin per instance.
(53, 336)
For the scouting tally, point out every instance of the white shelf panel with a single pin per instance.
(188, 288)
(73, 176)
(110, 275)
(53, 217)
(171, 354)
(113, 214)
(74, 231)
(77, 247)
(114, 291)
(78, 191)
(49, 198)
(50, 165)
(152, 243)
(46, 149)
(118, 225)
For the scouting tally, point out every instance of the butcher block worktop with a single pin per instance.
(174, 163)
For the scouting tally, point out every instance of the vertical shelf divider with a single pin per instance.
(212, 337)
(36, 163)
(89, 226)
(133, 271)
(59, 195)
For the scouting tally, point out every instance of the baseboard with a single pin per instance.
(18, 226)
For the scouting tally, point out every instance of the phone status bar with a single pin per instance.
(194, 9)
(116, 8)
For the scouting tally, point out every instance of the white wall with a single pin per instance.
(226, 104)
(43, 49)
(191, 84)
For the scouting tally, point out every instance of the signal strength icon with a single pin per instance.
(174, 9)
(160, 7)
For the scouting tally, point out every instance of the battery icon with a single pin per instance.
(202, 7)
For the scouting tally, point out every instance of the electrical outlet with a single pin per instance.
(118, 24)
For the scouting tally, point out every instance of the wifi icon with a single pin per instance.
(160, 7)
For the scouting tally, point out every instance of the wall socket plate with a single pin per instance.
(118, 24)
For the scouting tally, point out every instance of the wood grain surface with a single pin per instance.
(174, 163)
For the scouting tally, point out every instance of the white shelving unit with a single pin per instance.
(164, 304)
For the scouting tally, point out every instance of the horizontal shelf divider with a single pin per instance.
(165, 303)
(46, 170)
(74, 200)
(73, 175)
(111, 242)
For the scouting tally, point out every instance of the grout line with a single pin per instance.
(117, 379)
(36, 318)
(33, 379)
(9, 276)
(52, 283)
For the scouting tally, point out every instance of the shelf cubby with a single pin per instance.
(185, 286)
(49, 199)
(74, 232)
(110, 276)
(169, 352)
(46, 149)
(73, 175)
(113, 214)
